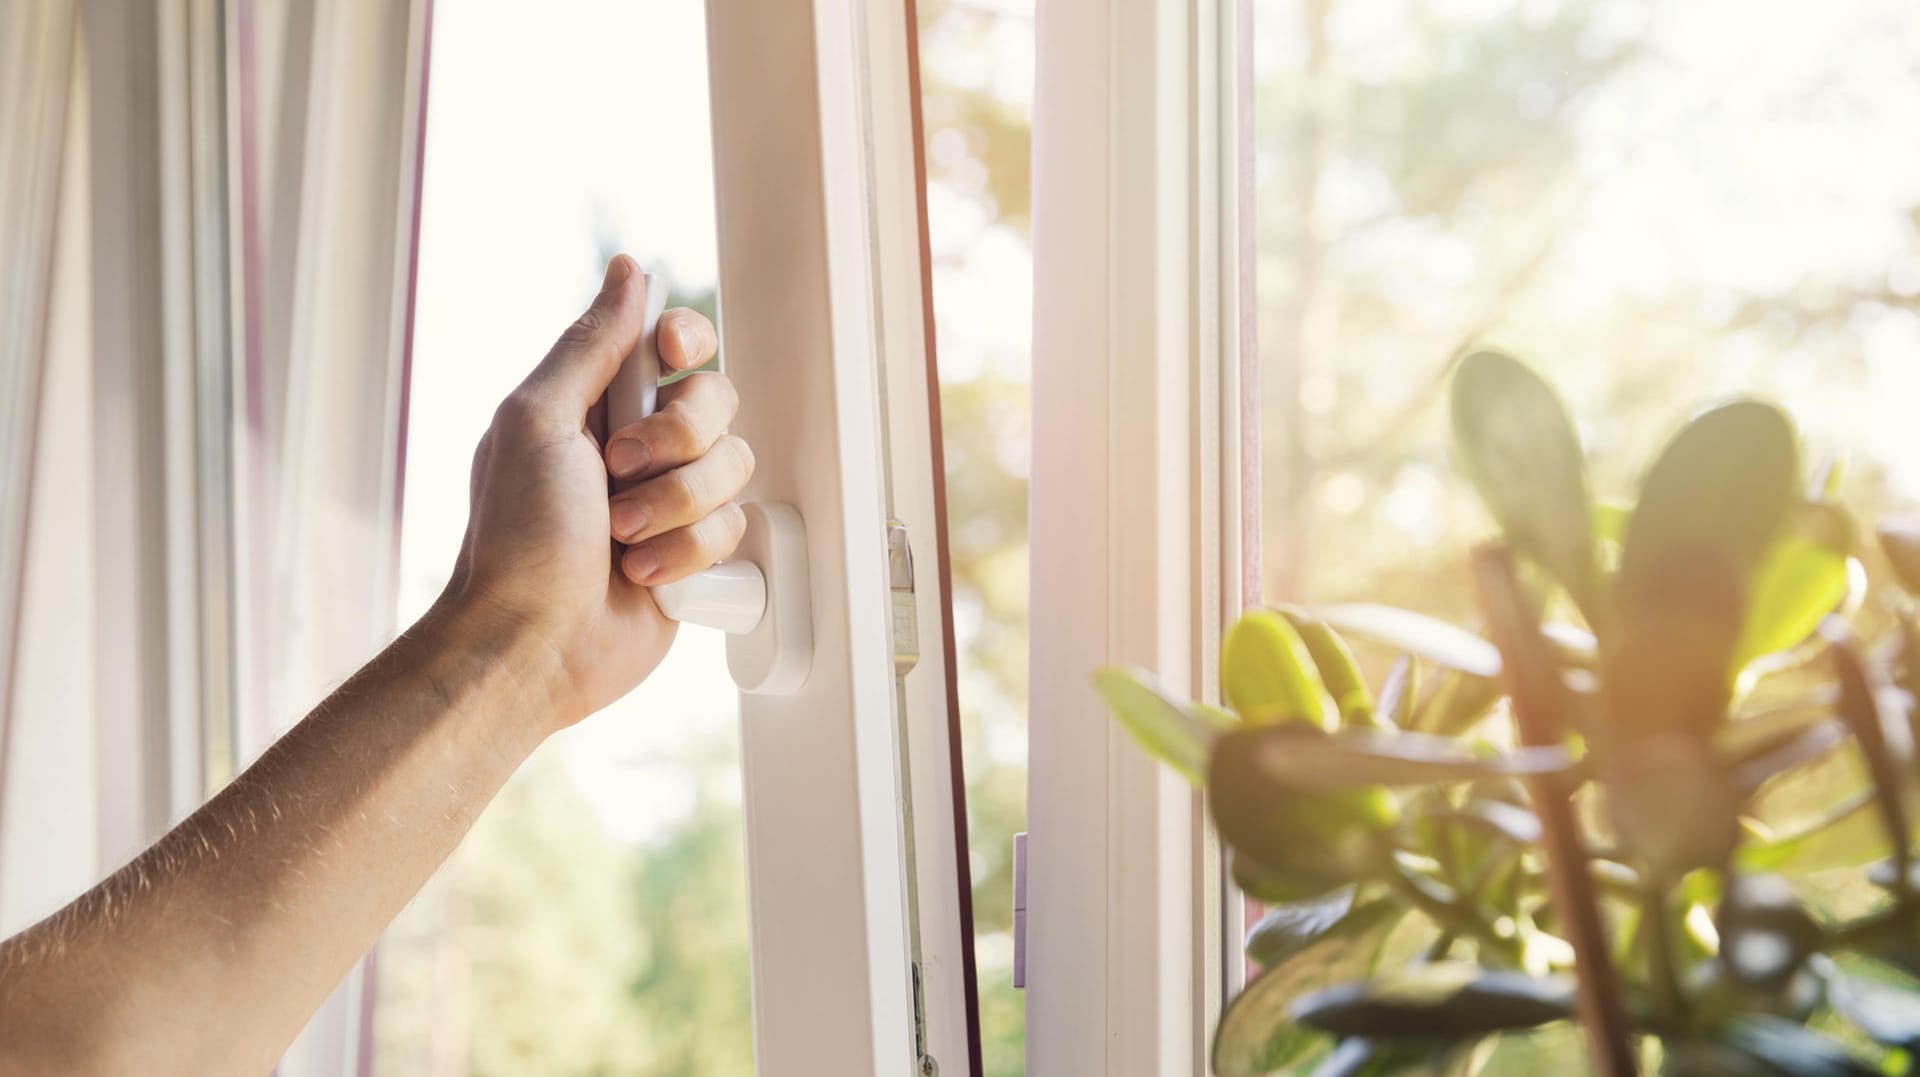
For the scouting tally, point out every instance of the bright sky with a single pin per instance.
(542, 134)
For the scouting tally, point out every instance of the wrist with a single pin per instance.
(499, 666)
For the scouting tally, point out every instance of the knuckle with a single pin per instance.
(728, 525)
(678, 430)
(717, 386)
(587, 326)
(739, 452)
(683, 494)
(518, 413)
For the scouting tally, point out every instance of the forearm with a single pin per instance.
(257, 904)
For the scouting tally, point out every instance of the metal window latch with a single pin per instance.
(1020, 910)
(906, 621)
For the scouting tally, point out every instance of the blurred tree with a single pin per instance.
(1565, 177)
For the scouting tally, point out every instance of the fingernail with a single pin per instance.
(618, 270)
(640, 563)
(627, 457)
(628, 518)
(689, 338)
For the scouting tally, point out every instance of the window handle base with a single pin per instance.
(761, 597)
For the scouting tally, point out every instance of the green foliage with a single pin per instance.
(1267, 674)
(1513, 438)
(1180, 736)
(1430, 833)
(546, 946)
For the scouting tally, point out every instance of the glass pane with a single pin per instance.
(1658, 204)
(594, 921)
(977, 87)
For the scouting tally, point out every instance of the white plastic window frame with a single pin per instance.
(1137, 525)
(822, 320)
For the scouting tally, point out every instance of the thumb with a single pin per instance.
(576, 371)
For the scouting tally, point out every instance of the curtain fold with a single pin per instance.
(214, 521)
(36, 60)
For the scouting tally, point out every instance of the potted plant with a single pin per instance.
(1661, 793)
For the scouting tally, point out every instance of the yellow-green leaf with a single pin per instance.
(1165, 729)
(1801, 579)
(1338, 670)
(1266, 673)
(1431, 638)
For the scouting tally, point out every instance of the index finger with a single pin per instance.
(687, 338)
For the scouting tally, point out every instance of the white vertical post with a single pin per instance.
(1135, 555)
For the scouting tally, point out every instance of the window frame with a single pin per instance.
(1137, 508)
(816, 195)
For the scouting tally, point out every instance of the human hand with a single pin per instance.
(537, 558)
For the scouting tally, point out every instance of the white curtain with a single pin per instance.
(208, 212)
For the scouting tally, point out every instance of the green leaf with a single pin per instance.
(1458, 703)
(1802, 578)
(1509, 821)
(1290, 831)
(1281, 886)
(1514, 441)
(1848, 835)
(1378, 1058)
(1161, 726)
(1787, 1049)
(1287, 929)
(1255, 1036)
(1218, 719)
(1751, 736)
(1722, 488)
(1395, 706)
(1416, 634)
(1710, 508)
(1900, 541)
(1610, 520)
(1439, 1001)
(1354, 758)
(1811, 745)
(1888, 1012)
(1671, 803)
(1671, 668)
(1338, 670)
(1266, 673)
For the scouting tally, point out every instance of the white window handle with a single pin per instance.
(760, 598)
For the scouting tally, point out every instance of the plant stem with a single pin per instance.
(1452, 917)
(1656, 931)
(1540, 706)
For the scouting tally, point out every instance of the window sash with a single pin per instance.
(804, 175)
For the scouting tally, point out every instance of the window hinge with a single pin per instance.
(906, 655)
(1020, 910)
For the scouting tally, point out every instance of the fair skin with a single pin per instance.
(208, 952)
